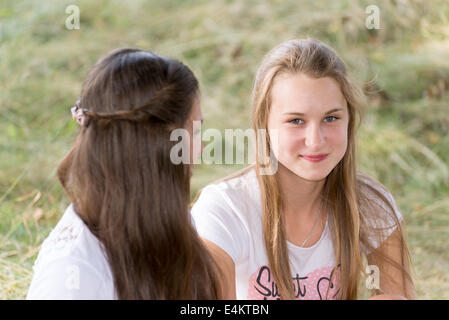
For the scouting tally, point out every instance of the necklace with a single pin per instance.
(313, 227)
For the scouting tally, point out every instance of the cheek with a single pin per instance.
(290, 139)
(289, 143)
(190, 142)
(192, 156)
(337, 138)
(196, 146)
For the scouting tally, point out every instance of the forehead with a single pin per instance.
(301, 93)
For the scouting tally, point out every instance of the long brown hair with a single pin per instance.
(353, 201)
(123, 185)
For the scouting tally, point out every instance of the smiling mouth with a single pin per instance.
(315, 158)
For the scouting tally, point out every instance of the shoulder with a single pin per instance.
(71, 238)
(238, 187)
(379, 213)
(237, 196)
(70, 252)
(225, 213)
(373, 195)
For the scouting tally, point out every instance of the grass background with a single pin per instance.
(404, 141)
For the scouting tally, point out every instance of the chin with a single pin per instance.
(313, 178)
(309, 176)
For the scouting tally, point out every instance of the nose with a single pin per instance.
(314, 137)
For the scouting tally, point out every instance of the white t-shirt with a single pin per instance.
(71, 264)
(229, 214)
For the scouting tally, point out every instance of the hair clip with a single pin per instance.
(79, 115)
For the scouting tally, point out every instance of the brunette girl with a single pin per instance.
(128, 232)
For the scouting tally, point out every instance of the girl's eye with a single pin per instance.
(331, 117)
(295, 121)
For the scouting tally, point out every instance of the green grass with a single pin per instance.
(404, 141)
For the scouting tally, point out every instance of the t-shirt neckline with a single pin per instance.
(316, 244)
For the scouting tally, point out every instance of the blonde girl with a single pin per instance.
(309, 230)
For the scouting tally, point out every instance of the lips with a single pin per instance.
(315, 158)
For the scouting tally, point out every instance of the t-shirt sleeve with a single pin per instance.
(65, 278)
(218, 220)
(382, 226)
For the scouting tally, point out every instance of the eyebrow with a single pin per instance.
(303, 114)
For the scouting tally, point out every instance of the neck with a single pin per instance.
(301, 197)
